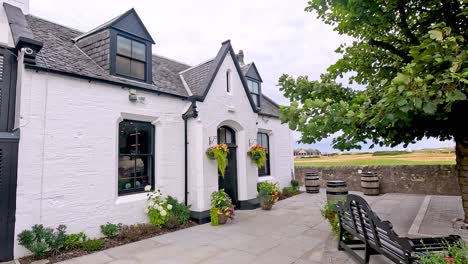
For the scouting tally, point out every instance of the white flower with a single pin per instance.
(169, 207)
(147, 188)
(146, 211)
(163, 213)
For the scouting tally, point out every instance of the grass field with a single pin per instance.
(356, 159)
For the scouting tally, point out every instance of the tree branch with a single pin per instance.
(386, 46)
(404, 24)
(450, 12)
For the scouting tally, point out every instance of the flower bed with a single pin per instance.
(127, 234)
(165, 215)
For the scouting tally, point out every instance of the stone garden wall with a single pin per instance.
(416, 179)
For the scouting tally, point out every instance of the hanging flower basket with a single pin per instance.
(210, 155)
(257, 154)
(219, 153)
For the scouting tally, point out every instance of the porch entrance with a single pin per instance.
(227, 135)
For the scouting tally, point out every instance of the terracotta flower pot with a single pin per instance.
(266, 205)
(222, 219)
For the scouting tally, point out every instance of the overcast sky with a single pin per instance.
(276, 34)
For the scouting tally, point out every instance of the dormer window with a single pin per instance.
(130, 58)
(254, 88)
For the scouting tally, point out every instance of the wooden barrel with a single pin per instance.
(336, 190)
(311, 182)
(370, 183)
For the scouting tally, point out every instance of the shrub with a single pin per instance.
(295, 184)
(42, 241)
(93, 244)
(179, 210)
(110, 230)
(73, 241)
(289, 191)
(389, 153)
(172, 222)
(158, 209)
(136, 232)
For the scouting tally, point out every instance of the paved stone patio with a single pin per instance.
(293, 232)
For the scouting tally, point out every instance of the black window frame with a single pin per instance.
(228, 82)
(255, 96)
(151, 156)
(222, 136)
(265, 170)
(148, 78)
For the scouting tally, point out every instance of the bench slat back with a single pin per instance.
(356, 216)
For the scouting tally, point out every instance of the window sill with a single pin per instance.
(130, 198)
(266, 178)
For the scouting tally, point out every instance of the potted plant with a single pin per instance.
(330, 212)
(257, 154)
(219, 153)
(268, 194)
(222, 208)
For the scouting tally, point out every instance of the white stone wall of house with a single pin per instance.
(281, 149)
(233, 110)
(68, 152)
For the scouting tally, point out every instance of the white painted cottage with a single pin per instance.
(89, 118)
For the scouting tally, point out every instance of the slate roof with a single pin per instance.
(60, 54)
(114, 21)
(101, 27)
(196, 77)
(268, 106)
(245, 68)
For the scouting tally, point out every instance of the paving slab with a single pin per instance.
(292, 232)
(438, 217)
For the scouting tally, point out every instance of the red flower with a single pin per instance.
(332, 216)
(449, 259)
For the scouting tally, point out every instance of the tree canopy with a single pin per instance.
(411, 58)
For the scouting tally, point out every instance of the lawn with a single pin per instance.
(415, 158)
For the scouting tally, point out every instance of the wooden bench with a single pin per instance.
(376, 237)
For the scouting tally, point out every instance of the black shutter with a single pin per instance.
(8, 168)
(8, 153)
(7, 89)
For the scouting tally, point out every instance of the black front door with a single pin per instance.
(226, 135)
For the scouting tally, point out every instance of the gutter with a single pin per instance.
(191, 113)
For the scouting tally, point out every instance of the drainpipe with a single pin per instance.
(191, 113)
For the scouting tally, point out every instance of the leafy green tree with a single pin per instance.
(411, 57)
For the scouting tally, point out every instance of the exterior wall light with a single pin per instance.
(132, 96)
